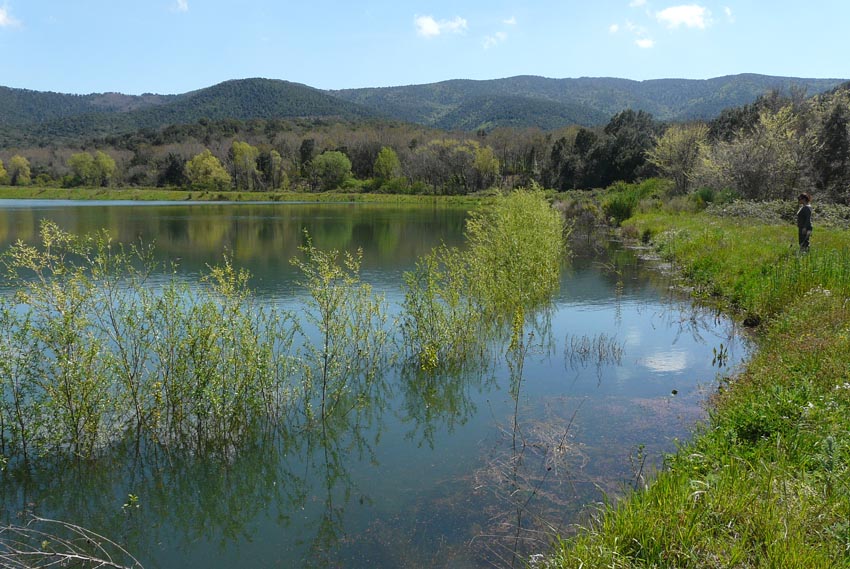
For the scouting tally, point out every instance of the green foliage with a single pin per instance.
(387, 165)
(347, 359)
(96, 354)
(3, 174)
(18, 171)
(677, 152)
(456, 299)
(330, 170)
(204, 171)
(244, 157)
(89, 170)
(621, 200)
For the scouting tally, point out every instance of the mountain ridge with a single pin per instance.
(39, 117)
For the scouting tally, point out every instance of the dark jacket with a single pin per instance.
(804, 217)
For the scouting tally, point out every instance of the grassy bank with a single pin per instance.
(765, 482)
(161, 194)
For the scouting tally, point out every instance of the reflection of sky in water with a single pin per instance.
(666, 362)
(424, 487)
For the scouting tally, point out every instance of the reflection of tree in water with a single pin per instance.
(434, 401)
(328, 450)
(181, 497)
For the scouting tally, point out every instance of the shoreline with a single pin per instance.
(177, 196)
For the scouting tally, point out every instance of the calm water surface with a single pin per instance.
(435, 471)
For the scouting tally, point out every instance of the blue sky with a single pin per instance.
(174, 46)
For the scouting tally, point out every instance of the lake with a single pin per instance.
(447, 471)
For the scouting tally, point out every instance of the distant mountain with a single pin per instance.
(588, 100)
(22, 106)
(516, 111)
(32, 117)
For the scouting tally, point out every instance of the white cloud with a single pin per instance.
(645, 43)
(495, 39)
(614, 28)
(728, 11)
(182, 5)
(428, 27)
(510, 21)
(637, 3)
(635, 29)
(6, 19)
(690, 16)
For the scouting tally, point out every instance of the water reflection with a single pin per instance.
(474, 468)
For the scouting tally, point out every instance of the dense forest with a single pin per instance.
(774, 147)
(30, 118)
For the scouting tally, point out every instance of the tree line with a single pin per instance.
(771, 149)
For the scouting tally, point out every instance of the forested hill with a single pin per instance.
(29, 117)
(37, 118)
(22, 106)
(588, 101)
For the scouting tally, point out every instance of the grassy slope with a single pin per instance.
(765, 483)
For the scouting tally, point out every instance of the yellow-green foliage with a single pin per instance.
(511, 265)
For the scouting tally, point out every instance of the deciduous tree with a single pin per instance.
(677, 151)
(329, 170)
(18, 171)
(387, 165)
(205, 171)
(243, 157)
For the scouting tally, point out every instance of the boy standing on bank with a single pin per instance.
(804, 221)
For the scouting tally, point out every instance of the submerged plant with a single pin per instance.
(94, 353)
(456, 299)
(347, 358)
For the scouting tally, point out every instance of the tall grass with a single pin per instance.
(764, 482)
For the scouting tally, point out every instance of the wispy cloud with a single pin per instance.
(6, 19)
(428, 27)
(640, 33)
(729, 16)
(182, 5)
(510, 21)
(637, 3)
(690, 16)
(495, 39)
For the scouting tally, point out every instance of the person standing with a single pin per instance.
(804, 221)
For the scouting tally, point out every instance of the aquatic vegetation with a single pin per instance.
(457, 297)
(95, 352)
(350, 352)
